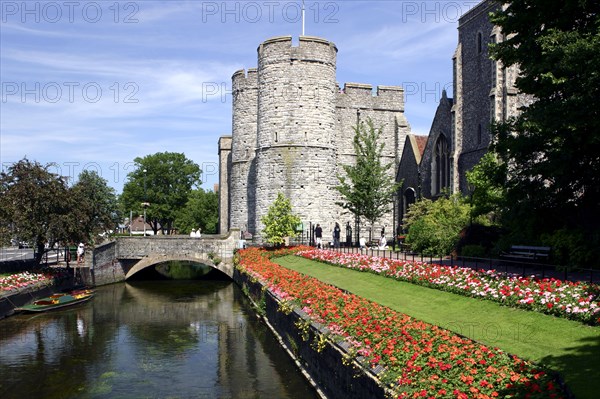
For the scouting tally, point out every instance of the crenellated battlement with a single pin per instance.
(361, 96)
(245, 79)
(310, 49)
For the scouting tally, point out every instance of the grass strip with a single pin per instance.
(570, 348)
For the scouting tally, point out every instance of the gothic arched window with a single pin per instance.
(440, 168)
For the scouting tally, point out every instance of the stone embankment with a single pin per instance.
(329, 367)
(9, 302)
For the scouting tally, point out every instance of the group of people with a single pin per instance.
(196, 233)
(337, 233)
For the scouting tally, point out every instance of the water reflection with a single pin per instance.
(167, 339)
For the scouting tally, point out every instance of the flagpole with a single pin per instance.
(302, 17)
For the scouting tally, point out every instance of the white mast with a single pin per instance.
(302, 17)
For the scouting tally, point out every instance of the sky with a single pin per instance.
(91, 85)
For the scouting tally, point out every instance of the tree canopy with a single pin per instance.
(367, 187)
(37, 206)
(95, 205)
(201, 211)
(552, 148)
(164, 181)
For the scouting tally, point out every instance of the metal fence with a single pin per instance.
(511, 267)
(8, 254)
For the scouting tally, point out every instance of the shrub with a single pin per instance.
(571, 248)
(434, 226)
(473, 251)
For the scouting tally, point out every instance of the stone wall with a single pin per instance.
(225, 171)
(474, 33)
(408, 174)
(441, 129)
(325, 363)
(106, 267)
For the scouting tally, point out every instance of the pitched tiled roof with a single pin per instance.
(418, 144)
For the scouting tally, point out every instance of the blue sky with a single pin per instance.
(94, 84)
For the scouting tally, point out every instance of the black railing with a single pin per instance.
(510, 267)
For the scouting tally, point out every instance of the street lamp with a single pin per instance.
(395, 222)
(145, 203)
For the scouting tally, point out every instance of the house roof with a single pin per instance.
(418, 144)
(138, 224)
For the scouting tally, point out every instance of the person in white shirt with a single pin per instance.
(80, 253)
(382, 242)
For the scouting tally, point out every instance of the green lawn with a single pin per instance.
(568, 347)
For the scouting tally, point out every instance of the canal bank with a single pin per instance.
(8, 303)
(329, 367)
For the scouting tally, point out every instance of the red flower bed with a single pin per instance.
(572, 300)
(420, 359)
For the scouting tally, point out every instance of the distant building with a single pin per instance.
(136, 227)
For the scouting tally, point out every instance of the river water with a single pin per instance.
(148, 339)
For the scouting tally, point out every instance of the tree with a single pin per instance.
(164, 181)
(367, 188)
(95, 206)
(486, 183)
(36, 204)
(552, 149)
(201, 211)
(279, 221)
(434, 226)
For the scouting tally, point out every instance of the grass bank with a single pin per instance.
(566, 346)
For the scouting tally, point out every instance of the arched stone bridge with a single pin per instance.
(126, 256)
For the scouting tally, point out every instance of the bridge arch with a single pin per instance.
(154, 259)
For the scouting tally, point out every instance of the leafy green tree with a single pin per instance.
(36, 204)
(279, 221)
(434, 226)
(95, 206)
(164, 181)
(201, 211)
(486, 181)
(552, 148)
(367, 188)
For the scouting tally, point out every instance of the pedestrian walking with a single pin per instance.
(319, 235)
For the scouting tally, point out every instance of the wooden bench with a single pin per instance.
(526, 253)
(373, 243)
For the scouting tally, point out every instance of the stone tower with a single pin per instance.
(292, 130)
(244, 134)
(295, 152)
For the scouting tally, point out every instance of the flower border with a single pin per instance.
(566, 299)
(417, 359)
